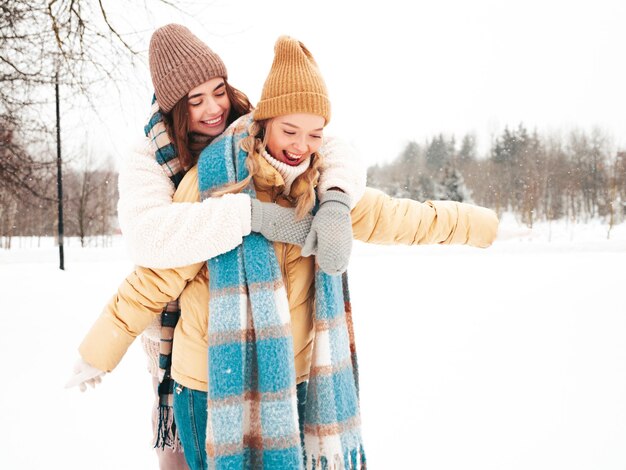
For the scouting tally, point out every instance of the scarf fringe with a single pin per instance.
(353, 459)
(167, 435)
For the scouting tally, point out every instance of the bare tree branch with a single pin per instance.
(112, 29)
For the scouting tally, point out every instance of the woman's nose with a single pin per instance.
(212, 107)
(300, 145)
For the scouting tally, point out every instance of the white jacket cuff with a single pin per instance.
(342, 169)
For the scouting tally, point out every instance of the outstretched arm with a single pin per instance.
(143, 295)
(379, 218)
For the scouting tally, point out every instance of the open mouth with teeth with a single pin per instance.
(214, 122)
(292, 158)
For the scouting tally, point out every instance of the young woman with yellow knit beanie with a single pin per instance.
(194, 104)
(268, 379)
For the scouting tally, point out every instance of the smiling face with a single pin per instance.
(208, 106)
(292, 138)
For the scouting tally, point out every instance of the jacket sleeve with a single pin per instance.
(160, 234)
(379, 218)
(141, 296)
(342, 168)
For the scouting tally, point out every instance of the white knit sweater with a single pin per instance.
(163, 234)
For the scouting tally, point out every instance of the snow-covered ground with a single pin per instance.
(512, 357)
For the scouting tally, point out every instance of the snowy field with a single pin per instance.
(512, 357)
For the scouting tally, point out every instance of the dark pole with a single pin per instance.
(59, 175)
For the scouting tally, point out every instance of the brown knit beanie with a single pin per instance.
(179, 62)
(294, 84)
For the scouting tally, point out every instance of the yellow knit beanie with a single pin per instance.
(294, 84)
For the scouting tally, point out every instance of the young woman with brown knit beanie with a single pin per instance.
(194, 104)
(269, 378)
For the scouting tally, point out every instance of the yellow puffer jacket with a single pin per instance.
(377, 218)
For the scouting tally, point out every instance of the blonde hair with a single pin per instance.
(303, 188)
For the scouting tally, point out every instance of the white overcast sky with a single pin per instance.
(399, 70)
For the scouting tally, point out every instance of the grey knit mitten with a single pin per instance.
(279, 224)
(330, 238)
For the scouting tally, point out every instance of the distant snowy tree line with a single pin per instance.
(89, 201)
(535, 177)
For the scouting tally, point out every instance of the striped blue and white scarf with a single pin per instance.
(252, 413)
(164, 151)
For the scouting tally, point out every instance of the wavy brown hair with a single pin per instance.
(177, 125)
(303, 188)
